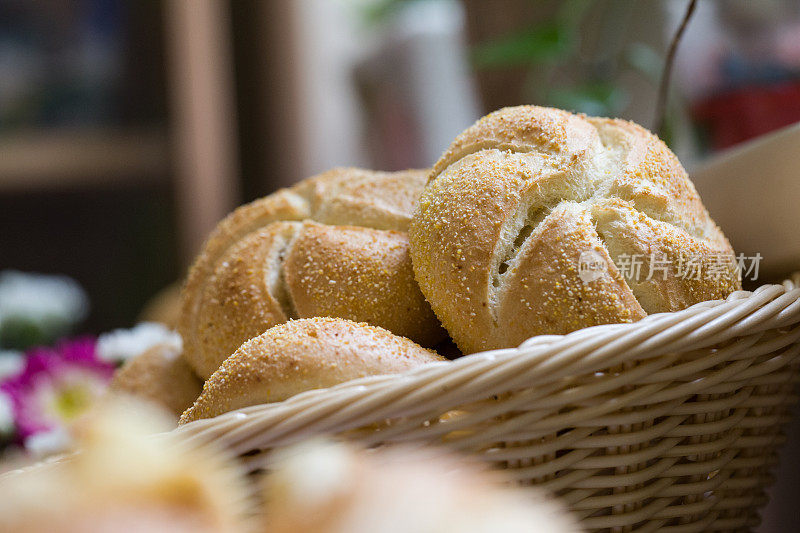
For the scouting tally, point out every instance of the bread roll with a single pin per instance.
(262, 266)
(335, 488)
(534, 219)
(125, 480)
(301, 355)
(161, 376)
(164, 308)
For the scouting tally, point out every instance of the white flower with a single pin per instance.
(45, 443)
(6, 414)
(41, 297)
(122, 344)
(11, 363)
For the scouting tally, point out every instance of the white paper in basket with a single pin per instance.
(753, 193)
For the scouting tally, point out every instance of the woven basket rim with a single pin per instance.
(769, 306)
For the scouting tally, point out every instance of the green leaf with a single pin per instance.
(380, 11)
(593, 98)
(549, 42)
(21, 333)
(646, 60)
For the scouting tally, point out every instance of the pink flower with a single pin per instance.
(56, 385)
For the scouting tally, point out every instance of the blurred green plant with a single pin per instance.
(552, 47)
(378, 11)
(547, 43)
(563, 69)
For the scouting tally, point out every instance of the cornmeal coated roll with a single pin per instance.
(160, 375)
(262, 266)
(301, 355)
(526, 218)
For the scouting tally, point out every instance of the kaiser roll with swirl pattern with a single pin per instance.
(526, 195)
(332, 245)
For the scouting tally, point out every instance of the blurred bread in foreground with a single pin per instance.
(322, 487)
(160, 375)
(164, 307)
(301, 355)
(123, 479)
(333, 245)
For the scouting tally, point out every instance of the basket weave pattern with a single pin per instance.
(672, 423)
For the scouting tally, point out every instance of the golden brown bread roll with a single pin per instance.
(317, 487)
(528, 198)
(160, 375)
(301, 355)
(262, 266)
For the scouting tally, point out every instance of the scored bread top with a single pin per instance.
(367, 198)
(304, 269)
(499, 230)
(301, 355)
(228, 273)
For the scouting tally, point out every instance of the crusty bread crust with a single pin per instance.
(236, 288)
(509, 208)
(361, 274)
(161, 376)
(301, 355)
(240, 298)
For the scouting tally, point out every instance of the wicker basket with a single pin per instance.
(668, 424)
